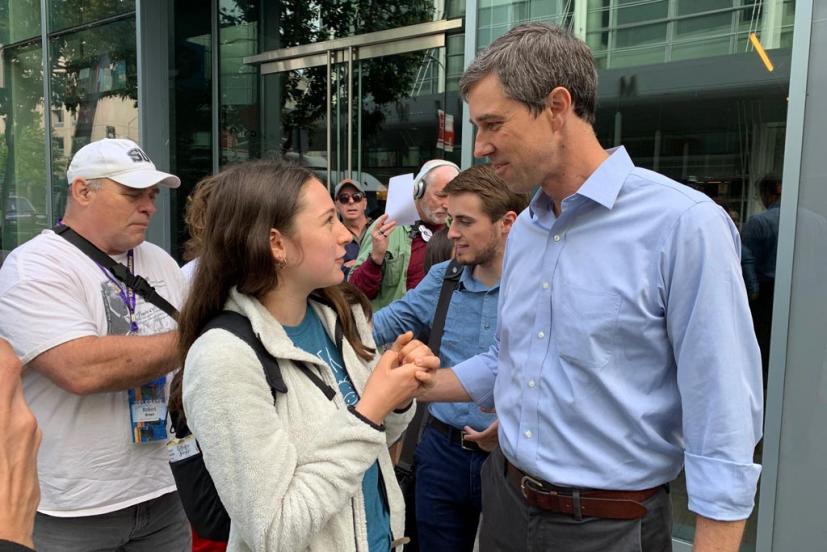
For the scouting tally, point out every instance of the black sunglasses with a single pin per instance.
(345, 197)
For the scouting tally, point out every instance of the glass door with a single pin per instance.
(366, 107)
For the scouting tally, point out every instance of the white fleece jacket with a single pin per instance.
(290, 476)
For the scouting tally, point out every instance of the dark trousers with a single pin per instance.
(157, 525)
(448, 494)
(761, 310)
(509, 524)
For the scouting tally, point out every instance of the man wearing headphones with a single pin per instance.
(391, 258)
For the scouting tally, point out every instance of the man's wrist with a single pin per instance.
(380, 261)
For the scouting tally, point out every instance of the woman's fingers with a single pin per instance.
(401, 342)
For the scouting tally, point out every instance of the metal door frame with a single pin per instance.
(422, 36)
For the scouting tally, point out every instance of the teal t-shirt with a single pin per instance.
(310, 336)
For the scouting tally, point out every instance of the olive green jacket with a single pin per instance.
(395, 267)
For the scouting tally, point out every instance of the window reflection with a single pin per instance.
(23, 202)
(70, 13)
(19, 20)
(394, 104)
(94, 93)
(191, 107)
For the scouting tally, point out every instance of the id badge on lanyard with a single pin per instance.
(148, 403)
(148, 411)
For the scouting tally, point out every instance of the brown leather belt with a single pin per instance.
(561, 500)
(454, 435)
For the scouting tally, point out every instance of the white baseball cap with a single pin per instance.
(119, 160)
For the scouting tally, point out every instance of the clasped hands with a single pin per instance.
(402, 369)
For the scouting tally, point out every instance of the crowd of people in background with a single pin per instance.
(548, 345)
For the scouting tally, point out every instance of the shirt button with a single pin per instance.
(531, 383)
(545, 285)
(541, 335)
(528, 434)
(556, 237)
(486, 325)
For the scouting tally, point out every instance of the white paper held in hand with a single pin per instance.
(400, 204)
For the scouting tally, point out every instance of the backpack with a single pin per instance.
(206, 513)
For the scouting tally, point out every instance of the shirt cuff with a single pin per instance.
(372, 269)
(477, 380)
(720, 489)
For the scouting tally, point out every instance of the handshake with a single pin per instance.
(404, 369)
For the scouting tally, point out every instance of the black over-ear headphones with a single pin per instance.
(419, 184)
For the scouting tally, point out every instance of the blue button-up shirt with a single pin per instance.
(625, 346)
(469, 330)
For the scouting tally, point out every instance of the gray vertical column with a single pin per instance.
(467, 155)
(47, 110)
(153, 103)
(215, 83)
(270, 94)
(794, 483)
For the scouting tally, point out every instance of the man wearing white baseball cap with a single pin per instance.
(96, 356)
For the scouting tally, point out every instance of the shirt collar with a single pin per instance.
(603, 186)
(466, 281)
(540, 203)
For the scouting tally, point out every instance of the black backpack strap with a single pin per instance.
(138, 284)
(413, 434)
(450, 282)
(239, 325)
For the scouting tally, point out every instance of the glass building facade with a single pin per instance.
(368, 89)
(69, 76)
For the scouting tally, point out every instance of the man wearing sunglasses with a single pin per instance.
(351, 204)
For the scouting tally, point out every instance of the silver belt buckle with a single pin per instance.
(529, 482)
(467, 447)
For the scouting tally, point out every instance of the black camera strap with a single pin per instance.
(136, 283)
(450, 282)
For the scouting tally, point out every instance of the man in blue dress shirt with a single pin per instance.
(624, 349)
(459, 436)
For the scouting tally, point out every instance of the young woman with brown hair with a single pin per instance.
(311, 472)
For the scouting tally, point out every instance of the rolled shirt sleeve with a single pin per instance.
(718, 362)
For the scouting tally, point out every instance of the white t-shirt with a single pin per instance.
(188, 270)
(51, 293)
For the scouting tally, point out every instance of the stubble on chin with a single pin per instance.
(519, 185)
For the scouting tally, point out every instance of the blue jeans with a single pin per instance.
(448, 494)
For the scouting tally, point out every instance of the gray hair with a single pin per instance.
(533, 59)
(94, 183)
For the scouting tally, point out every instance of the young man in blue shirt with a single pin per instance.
(458, 436)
